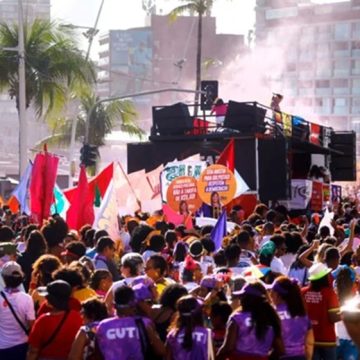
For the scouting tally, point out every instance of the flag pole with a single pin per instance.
(128, 181)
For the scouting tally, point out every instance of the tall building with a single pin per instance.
(162, 55)
(319, 55)
(9, 141)
(32, 9)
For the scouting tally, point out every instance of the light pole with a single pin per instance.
(89, 34)
(22, 93)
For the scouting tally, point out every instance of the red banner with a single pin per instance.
(317, 196)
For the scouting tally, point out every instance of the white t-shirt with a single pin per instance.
(147, 253)
(11, 333)
(278, 266)
(125, 238)
(356, 243)
(341, 331)
(287, 260)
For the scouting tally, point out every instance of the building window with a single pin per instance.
(305, 83)
(281, 13)
(324, 32)
(341, 102)
(356, 86)
(322, 83)
(318, 102)
(356, 30)
(355, 125)
(323, 50)
(355, 109)
(340, 86)
(341, 67)
(355, 48)
(323, 68)
(340, 83)
(290, 67)
(341, 49)
(342, 31)
(355, 67)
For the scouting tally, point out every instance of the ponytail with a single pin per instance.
(188, 329)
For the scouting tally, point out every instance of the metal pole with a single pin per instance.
(91, 38)
(143, 93)
(22, 93)
(74, 123)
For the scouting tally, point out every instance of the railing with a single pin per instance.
(242, 118)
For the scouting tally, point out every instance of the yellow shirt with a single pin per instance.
(161, 285)
(84, 294)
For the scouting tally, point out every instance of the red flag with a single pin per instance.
(81, 211)
(227, 157)
(42, 184)
(315, 131)
(101, 181)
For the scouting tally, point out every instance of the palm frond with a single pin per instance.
(54, 65)
(180, 10)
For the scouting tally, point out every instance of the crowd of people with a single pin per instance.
(278, 288)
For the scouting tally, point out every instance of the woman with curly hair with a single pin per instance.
(41, 275)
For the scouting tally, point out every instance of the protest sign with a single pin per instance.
(217, 179)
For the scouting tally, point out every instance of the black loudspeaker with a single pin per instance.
(273, 169)
(172, 120)
(343, 167)
(300, 165)
(248, 119)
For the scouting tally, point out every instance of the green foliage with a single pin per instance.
(103, 120)
(54, 65)
(199, 7)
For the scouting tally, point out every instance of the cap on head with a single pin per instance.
(268, 249)
(318, 271)
(196, 248)
(208, 281)
(250, 289)
(11, 268)
(57, 294)
(8, 248)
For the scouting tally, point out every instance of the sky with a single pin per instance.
(233, 16)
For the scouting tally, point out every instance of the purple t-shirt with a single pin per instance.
(118, 338)
(294, 331)
(247, 343)
(199, 349)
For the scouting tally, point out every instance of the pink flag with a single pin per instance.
(42, 184)
(175, 218)
(81, 211)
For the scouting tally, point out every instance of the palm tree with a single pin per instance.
(103, 120)
(199, 7)
(53, 65)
